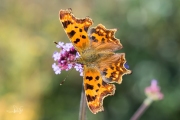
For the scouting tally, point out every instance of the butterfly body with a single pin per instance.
(88, 57)
(101, 66)
(92, 57)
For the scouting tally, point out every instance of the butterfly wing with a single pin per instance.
(76, 29)
(113, 68)
(103, 39)
(104, 42)
(96, 89)
(108, 66)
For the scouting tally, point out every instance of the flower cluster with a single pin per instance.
(153, 91)
(66, 58)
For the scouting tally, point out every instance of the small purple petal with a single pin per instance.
(81, 74)
(56, 69)
(60, 45)
(79, 68)
(154, 82)
(70, 66)
(126, 65)
(67, 46)
(77, 55)
(56, 56)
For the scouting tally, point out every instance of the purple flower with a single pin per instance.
(78, 67)
(153, 91)
(66, 58)
(56, 68)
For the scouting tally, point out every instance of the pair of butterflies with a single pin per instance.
(101, 66)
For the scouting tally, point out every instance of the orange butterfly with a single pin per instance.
(101, 66)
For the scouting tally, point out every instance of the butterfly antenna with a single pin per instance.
(62, 82)
(55, 43)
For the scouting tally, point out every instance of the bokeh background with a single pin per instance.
(149, 31)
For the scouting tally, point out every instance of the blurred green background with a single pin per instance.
(149, 31)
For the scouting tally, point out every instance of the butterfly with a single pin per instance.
(101, 66)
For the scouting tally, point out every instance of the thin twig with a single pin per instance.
(82, 109)
(141, 109)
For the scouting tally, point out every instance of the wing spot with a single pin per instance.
(83, 36)
(76, 26)
(66, 23)
(97, 90)
(97, 77)
(77, 40)
(88, 86)
(91, 98)
(71, 34)
(94, 39)
(89, 78)
(80, 30)
(99, 85)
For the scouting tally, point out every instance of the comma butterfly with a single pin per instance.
(101, 66)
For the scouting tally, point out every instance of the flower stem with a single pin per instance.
(82, 109)
(141, 109)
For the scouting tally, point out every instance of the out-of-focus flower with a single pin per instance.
(66, 58)
(153, 91)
